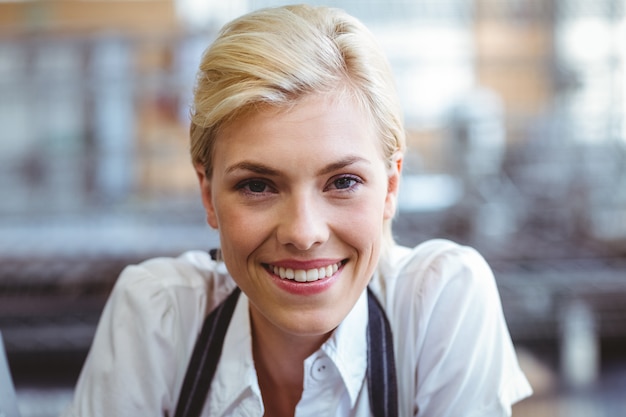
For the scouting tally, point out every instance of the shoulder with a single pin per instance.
(175, 279)
(436, 285)
(420, 273)
(449, 331)
(146, 332)
(190, 269)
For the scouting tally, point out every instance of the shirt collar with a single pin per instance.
(347, 348)
(235, 377)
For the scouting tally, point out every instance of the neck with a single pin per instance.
(279, 362)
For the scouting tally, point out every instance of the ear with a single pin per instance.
(206, 193)
(393, 185)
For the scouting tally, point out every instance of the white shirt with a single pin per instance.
(454, 355)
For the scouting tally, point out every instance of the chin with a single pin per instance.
(314, 323)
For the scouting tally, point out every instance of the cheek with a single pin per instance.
(363, 224)
(241, 230)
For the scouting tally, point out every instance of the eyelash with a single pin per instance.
(356, 181)
(244, 186)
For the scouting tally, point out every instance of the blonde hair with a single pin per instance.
(276, 56)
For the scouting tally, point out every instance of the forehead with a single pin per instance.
(333, 122)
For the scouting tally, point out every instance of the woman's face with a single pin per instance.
(299, 198)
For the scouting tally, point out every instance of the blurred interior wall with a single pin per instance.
(154, 16)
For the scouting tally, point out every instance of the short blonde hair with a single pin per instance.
(276, 56)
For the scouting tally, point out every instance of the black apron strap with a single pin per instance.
(381, 369)
(204, 359)
(381, 364)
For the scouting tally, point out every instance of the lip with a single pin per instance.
(304, 288)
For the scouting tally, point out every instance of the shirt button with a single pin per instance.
(321, 369)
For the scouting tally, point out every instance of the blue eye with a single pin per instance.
(345, 183)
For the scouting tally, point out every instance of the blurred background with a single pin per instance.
(515, 111)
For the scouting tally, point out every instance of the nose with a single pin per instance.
(303, 223)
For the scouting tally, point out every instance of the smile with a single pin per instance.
(305, 275)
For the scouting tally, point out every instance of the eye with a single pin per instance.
(254, 186)
(345, 182)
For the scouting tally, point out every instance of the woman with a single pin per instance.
(310, 309)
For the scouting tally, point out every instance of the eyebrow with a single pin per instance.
(262, 169)
(255, 167)
(342, 163)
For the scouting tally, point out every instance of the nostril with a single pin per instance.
(302, 238)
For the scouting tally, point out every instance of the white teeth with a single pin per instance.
(312, 275)
(304, 275)
(300, 275)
